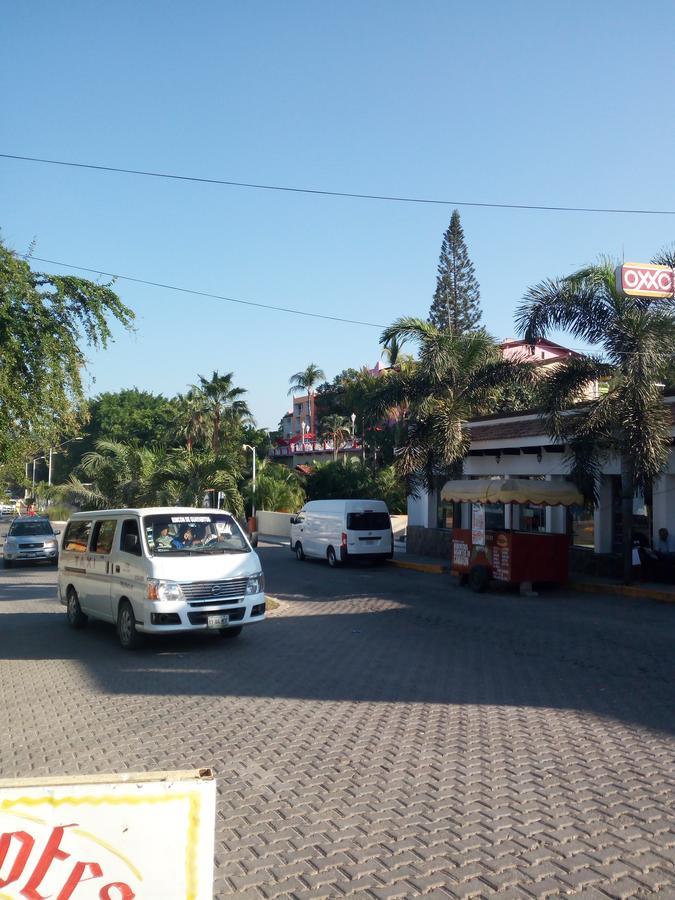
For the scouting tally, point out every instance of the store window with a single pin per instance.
(583, 526)
(495, 517)
(532, 518)
(448, 515)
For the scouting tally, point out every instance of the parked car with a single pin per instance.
(7, 509)
(339, 530)
(30, 539)
(160, 571)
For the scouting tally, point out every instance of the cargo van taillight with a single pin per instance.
(344, 538)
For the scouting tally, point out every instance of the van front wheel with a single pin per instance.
(76, 618)
(332, 558)
(129, 638)
(299, 552)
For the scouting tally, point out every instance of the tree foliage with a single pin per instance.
(456, 303)
(354, 480)
(307, 380)
(636, 336)
(456, 377)
(45, 320)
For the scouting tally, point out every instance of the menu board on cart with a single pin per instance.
(478, 524)
(501, 557)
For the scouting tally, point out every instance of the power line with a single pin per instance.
(220, 297)
(346, 194)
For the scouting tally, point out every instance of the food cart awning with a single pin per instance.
(511, 490)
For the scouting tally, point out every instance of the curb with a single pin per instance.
(431, 568)
(623, 590)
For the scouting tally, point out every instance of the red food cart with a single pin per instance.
(508, 555)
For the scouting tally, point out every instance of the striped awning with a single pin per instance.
(511, 490)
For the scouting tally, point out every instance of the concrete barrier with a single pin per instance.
(276, 524)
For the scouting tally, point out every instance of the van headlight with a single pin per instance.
(164, 590)
(255, 584)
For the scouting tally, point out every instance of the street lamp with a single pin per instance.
(252, 449)
(34, 461)
(353, 418)
(302, 429)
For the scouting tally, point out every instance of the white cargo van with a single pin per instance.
(159, 571)
(338, 530)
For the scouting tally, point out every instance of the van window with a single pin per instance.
(130, 539)
(76, 537)
(104, 532)
(194, 533)
(368, 521)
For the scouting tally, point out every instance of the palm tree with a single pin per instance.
(117, 475)
(636, 336)
(456, 377)
(278, 488)
(336, 429)
(306, 381)
(222, 405)
(191, 417)
(184, 478)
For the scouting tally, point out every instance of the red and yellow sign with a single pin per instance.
(645, 280)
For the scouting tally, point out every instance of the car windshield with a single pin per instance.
(187, 533)
(26, 529)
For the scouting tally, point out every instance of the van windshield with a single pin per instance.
(188, 533)
(368, 521)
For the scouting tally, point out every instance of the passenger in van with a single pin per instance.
(186, 539)
(163, 539)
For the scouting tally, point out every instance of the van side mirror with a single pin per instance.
(294, 520)
(131, 544)
(58, 531)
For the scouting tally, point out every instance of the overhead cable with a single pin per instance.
(346, 194)
(220, 297)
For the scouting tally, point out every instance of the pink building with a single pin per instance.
(543, 353)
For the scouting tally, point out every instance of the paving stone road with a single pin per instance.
(383, 734)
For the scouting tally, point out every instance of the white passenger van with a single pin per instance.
(159, 571)
(338, 530)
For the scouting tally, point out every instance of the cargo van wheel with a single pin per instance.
(129, 638)
(76, 618)
(299, 552)
(332, 558)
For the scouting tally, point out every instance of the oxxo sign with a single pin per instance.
(645, 280)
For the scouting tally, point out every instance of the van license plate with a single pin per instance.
(217, 621)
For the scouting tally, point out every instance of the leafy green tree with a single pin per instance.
(636, 336)
(456, 303)
(306, 381)
(336, 429)
(185, 477)
(278, 488)
(354, 480)
(117, 475)
(44, 322)
(223, 407)
(456, 377)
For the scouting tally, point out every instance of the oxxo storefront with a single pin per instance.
(518, 446)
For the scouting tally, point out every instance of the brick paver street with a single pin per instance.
(383, 735)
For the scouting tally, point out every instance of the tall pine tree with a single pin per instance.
(456, 303)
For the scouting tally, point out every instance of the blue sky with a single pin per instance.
(522, 102)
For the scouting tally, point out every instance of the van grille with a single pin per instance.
(34, 546)
(200, 593)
